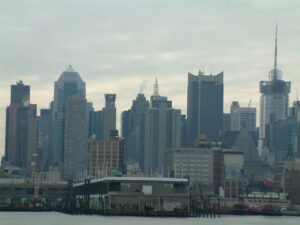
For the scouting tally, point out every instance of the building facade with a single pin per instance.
(68, 84)
(205, 106)
(102, 122)
(203, 164)
(162, 131)
(107, 157)
(274, 102)
(135, 194)
(242, 117)
(133, 129)
(44, 138)
(76, 136)
(21, 128)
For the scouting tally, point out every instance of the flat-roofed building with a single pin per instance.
(202, 164)
(107, 157)
(139, 194)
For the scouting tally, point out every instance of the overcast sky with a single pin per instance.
(117, 46)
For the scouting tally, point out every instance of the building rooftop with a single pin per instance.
(159, 179)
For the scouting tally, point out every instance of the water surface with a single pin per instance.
(54, 218)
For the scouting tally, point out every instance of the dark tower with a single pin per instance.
(205, 106)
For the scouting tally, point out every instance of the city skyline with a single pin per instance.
(247, 50)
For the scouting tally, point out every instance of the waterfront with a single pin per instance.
(54, 218)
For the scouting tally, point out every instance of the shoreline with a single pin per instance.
(152, 213)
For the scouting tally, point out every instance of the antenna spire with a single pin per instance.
(156, 88)
(275, 74)
(275, 60)
(70, 69)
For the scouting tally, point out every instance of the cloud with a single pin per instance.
(117, 45)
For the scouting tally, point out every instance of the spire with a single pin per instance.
(275, 74)
(275, 60)
(70, 69)
(156, 88)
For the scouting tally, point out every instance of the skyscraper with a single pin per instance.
(21, 127)
(274, 101)
(109, 116)
(20, 93)
(205, 106)
(162, 130)
(68, 84)
(235, 116)
(242, 117)
(133, 129)
(44, 137)
(76, 136)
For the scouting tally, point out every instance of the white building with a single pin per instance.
(242, 117)
(274, 100)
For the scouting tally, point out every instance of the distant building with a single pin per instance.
(68, 84)
(233, 179)
(163, 127)
(21, 128)
(184, 135)
(244, 143)
(274, 102)
(226, 122)
(109, 115)
(248, 118)
(291, 179)
(95, 125)
(235, 116)
(135, 194)
(295, 110)
(242, 117)
(202, 164)
(133, 129)
(44, 138)
(205, 99)
(76, 136)
(102, 122)
(284, 138)
(107, 157)
(20, 93)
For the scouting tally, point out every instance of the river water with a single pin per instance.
(53, 218)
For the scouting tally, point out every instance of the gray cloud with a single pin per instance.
(117, 45)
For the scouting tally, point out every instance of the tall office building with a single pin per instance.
(44, 138)
(242, 117)
(162, 131)
(102, 122)
(133, 129)
(109, 116)
(76, 136)
(235, 116)
(19, 93)
(205, 106)
(274, 101)
(20, 139)
(226, 122)
(68, 84)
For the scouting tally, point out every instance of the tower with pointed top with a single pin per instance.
(156, 88)
(162, 131)
(70, 119)
(274, 102)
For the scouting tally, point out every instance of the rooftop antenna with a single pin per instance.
(156, 88)
(275, 71)
(70, 69)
